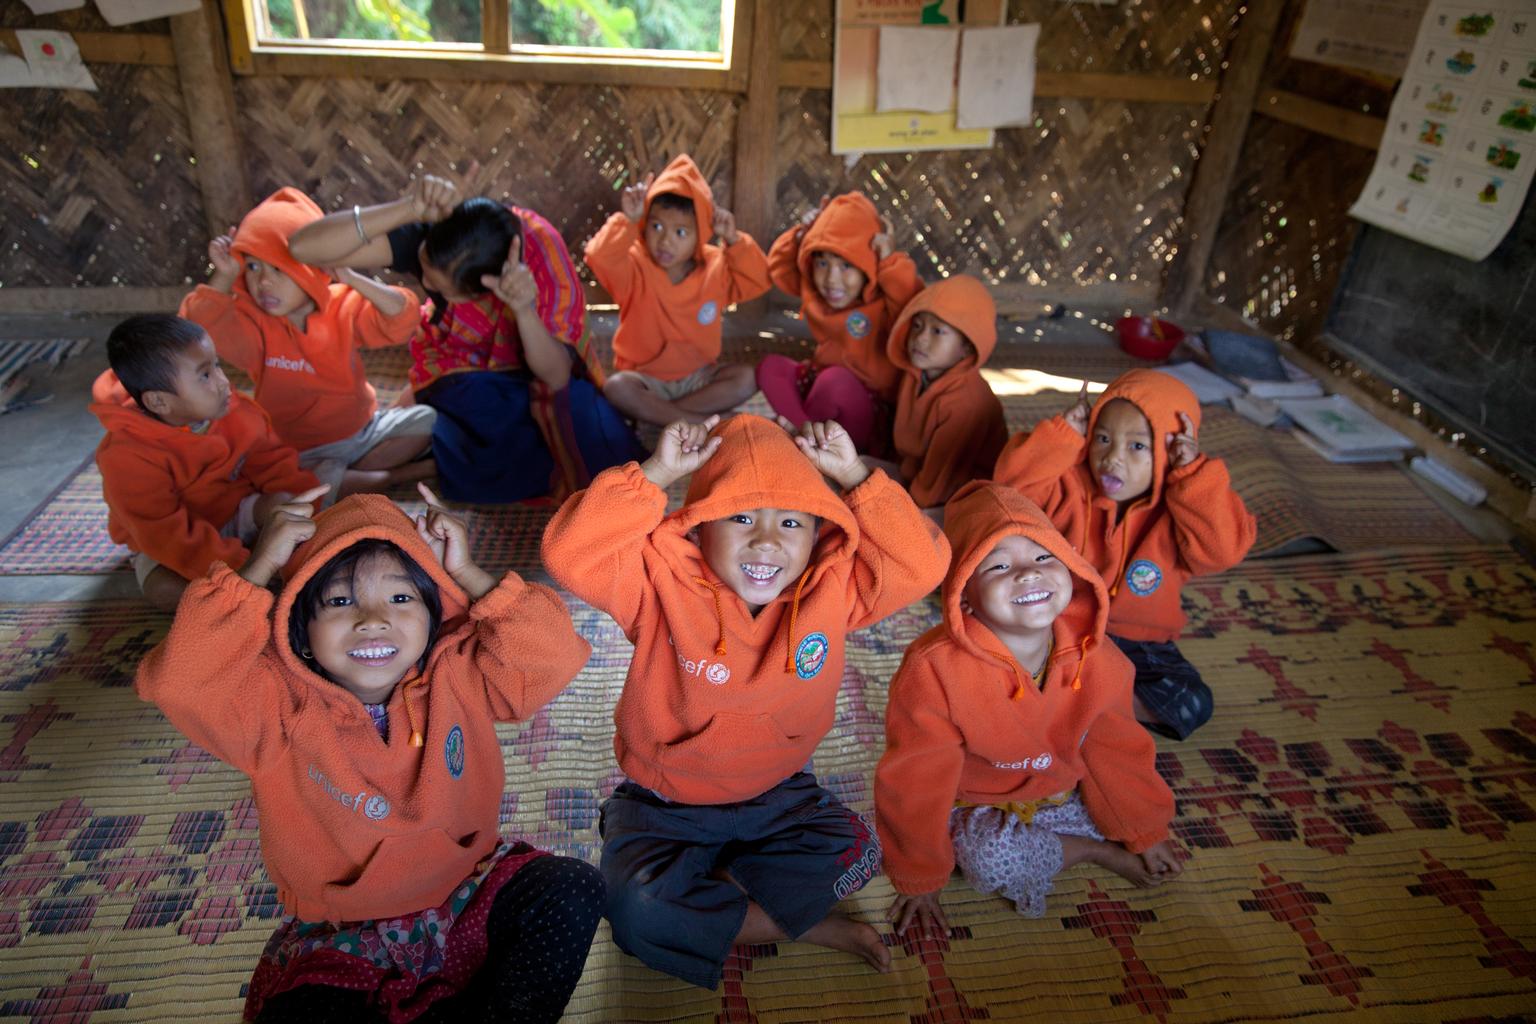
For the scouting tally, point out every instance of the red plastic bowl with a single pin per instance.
(1147, 337)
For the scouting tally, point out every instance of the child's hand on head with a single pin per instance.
(226, 267)
(1183, 447)
(432, 198)
(809, 216)
(683, 448)
(884, 243)
(632, 199)
(1163, 861)
(724, 226)
(448, 537)
(923, 911)
(1077, 416)
(515, 285)
(289, 522)
(830, 450)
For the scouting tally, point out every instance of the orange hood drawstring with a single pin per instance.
(794, 612)
(405, 702)
(714, 592)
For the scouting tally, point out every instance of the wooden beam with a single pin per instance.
(91, 300)
(757, 124)
(495, 27)
(1228, 124)
(817, 74)
(1335, 122)
(208, 93)
(114, 47)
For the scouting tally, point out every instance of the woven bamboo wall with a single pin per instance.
(97, 188)
(1091, 194)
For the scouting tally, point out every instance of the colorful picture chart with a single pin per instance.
(1457, 156)
(857, 127)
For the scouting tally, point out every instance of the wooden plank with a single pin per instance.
(91, 300)
(1228, 124)
(495, 26)
(757, 124)
(114, 47)
(817, 74)
(208, 94)
(1335, 122)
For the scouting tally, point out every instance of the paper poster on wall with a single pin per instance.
(51, 6)
(49, 60)
(126, 12)
(915, 68)
(857, 124)
(1456, 159)
(1364, 35)
(997, 77)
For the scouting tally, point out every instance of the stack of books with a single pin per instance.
(1341, 431)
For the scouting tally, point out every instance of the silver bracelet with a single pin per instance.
(357, 222)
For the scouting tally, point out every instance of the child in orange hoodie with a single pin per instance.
(297, 335)
(1127, 484)
(737, 605)
(1010, 746)
(852, 283)
(672, 287)
(188, 468)
(949, 425)
(361, 701)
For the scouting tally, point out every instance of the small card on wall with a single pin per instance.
(997, 76)
(49, 60)
(126, 12)
(916, 68)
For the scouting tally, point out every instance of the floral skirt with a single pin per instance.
(408, 962)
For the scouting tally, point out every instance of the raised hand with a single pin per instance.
(724, 226)
(1077, 415)
(1183, 447)
(682, 448)
(289, 523)
(831, 450)
(224, 261)
(448, 537)
(809, 216)
(884, 243)
(923, 911)
(515, 285)
(632, 199)
(433, 198)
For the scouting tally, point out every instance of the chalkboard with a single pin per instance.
(1456, 335)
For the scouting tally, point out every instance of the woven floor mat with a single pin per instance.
(1361, 813)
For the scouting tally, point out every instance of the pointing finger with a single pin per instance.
(432, 500)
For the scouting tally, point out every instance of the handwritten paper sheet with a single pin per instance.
(916, 69)
(997, 76)
(126, 12)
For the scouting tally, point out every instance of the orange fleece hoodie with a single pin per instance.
(169, 491)
(720, 706)
(667, 330)
(312, 381)
(948, 433)
(1190, 523)
(354, 827)
(965, 721)
(854, 336)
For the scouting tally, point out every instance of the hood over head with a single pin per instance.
(1160, 398)
(118, 412)
(980, 515)
(264, 234)
(846, 228)
(961, 301)
(682, 177)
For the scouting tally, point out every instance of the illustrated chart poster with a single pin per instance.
(1456, 159)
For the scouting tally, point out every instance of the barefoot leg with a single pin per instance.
(833, 931)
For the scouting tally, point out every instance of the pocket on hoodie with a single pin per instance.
(748, 743)
(406, 873)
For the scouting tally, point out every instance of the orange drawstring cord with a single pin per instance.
(794, 612)
(405, 701)
(714, 592)
(1083, 648)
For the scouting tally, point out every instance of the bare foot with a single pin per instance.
(843, 933)
(1116, 858)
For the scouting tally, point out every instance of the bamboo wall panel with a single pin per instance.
(97, 189)
(560, 150)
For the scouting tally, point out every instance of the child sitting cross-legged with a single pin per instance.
(361, 701)
(842, 263)
(672, 286)
(738, 605)
(1127, 484)
(1010, 746)
(189, 468)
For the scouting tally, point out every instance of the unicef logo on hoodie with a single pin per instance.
(708, 312)
(1143, 577)
(858, 324)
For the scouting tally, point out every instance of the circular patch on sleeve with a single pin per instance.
(811, 655)
(453, 751)
(857, 324)
(708, 312)
(1143, 577)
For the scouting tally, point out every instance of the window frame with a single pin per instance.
(496, 58)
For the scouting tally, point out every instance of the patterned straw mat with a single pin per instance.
(1360, 813)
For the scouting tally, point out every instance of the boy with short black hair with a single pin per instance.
(738, 605)
(672, 288)
(1127, 484)
(189, 468)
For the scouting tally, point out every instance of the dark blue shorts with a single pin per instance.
(1169, 686)
(794, 850)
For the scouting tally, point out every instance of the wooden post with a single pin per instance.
(757, 124)
(1214, 172)
(208, 93)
